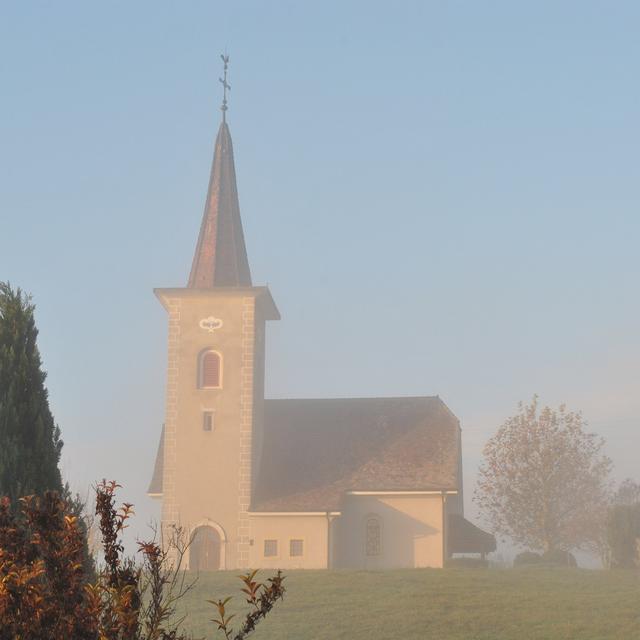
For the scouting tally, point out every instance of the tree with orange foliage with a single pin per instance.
(45, 593)
(544, 481)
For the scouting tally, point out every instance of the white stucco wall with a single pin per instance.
(411, 531)
(311, 529)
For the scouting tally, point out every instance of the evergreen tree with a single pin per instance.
(30, 443)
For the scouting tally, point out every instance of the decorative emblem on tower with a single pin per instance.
(210, 324)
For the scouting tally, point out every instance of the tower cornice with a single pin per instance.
(262, 294)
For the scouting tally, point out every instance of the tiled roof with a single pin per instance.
(315, 450)
(155, 488)
(220, 258)
(465, 537)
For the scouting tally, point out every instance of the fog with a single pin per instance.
(442, 201)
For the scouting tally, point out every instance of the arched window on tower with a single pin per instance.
(210, 370)
(373, 535)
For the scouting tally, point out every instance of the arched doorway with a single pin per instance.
(204, 551)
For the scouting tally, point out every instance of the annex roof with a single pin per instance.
(316, 450)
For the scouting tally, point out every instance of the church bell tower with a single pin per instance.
(215, 380)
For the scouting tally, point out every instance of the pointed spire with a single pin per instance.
(220, 259)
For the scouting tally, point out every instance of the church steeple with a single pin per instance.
(220, 259)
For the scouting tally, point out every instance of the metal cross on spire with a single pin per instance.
(226, 86)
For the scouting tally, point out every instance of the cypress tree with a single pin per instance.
(30, 443)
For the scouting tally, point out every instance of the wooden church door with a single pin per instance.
(204, 552)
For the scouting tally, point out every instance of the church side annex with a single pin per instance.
(364, 482)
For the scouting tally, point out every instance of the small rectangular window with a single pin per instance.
(270, 548)
(207, 421)
(296, 548)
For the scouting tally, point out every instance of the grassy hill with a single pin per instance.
(450, 604)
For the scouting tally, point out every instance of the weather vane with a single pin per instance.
(226, 86)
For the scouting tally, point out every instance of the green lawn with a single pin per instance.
(450, 604)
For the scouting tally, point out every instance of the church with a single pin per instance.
(369, 483)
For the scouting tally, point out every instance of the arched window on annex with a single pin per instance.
(209, 370)
(373, 535)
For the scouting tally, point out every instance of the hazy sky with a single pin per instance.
(443, 198)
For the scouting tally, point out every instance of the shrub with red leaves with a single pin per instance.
(45, 593)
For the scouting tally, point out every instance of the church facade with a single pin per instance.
(358, 482)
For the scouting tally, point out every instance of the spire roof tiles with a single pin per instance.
(220, 258)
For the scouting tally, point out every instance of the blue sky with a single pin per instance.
(443, 197)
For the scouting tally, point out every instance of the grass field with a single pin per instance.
(450, 604)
